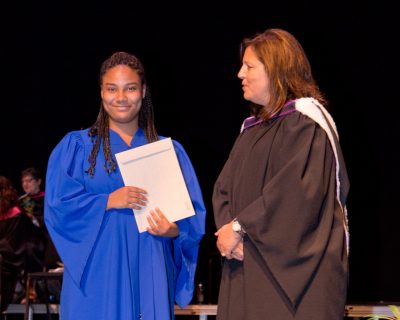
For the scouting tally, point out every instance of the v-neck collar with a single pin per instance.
(138, 139)
(252, 121)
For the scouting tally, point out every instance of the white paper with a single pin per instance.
(154, 167)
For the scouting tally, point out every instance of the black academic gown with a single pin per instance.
(22, 246)
(280, 182)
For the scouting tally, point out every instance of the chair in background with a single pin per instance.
(44, 278)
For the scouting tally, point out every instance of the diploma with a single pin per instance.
(155, 168)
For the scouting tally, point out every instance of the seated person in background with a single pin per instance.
(22, 244)
(32, 200)
(32, 204)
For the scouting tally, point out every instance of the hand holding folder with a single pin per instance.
(155, 168)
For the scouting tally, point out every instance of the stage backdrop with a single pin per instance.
(191, 53)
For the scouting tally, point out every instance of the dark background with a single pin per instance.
(51, 57)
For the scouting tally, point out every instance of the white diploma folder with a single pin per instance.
(154, 167)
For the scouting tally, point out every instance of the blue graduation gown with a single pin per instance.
(111, 270)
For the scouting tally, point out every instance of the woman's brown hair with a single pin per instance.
(288, 69)
(8, 195)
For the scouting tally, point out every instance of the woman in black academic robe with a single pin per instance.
(279, 202)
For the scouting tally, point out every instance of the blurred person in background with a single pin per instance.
(22, 245)
(32, 202)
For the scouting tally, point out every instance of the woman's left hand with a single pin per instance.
(227, 240)
(160, 226)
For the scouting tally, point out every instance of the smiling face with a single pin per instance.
(255, 80)
(122, 93)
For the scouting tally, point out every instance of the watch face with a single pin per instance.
(236, 226)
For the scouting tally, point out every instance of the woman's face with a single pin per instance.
(122, 93)
(255, 80)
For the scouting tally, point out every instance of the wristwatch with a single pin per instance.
(237, 227)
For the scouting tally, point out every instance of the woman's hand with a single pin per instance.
(227, 240)
(127, 197)
(237, 252)
(160, 226)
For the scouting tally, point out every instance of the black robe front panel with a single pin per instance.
(280, 182)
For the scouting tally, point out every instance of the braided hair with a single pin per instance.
(99, 131)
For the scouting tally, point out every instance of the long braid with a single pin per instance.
(146, 118)
(99, 131)
(109, 163)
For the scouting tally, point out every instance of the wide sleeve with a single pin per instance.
(73, 216)
(221, 195)
(191, 230)
(290, 223)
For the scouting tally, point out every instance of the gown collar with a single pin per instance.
(253, 120)
(138, 139)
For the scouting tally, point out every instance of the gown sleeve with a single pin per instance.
(73, 216)
(221, 195)
(191, 230)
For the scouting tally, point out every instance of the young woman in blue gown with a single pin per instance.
(111, 270)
